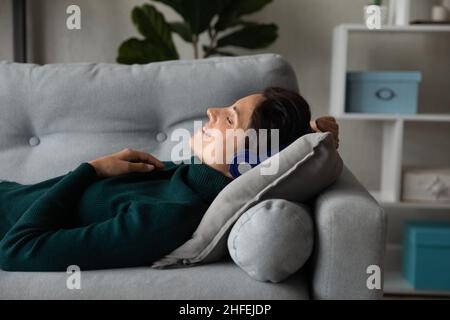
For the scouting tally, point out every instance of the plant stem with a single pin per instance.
(212, 39)
(195, 44)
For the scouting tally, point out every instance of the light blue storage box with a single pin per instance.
(426, 255)
(392, 92)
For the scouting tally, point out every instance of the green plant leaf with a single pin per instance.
(251, 37)
(140, 51)
(153, 26)
(198, 14)
(250, 6)
(234, 9)
(246, 23)
(183, 30)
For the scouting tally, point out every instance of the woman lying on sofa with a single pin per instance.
(130, 209)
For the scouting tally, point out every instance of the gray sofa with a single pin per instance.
(54, 117)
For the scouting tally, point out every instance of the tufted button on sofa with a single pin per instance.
(34, 141)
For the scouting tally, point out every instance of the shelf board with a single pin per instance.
(415, 205)
(394, 117)
(396, 284)
(408, 28)
(409, 204)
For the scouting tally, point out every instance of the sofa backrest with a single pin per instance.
(55, 116)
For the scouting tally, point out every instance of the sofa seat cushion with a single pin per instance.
(221, 280)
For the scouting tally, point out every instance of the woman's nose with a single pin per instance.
(211, 113)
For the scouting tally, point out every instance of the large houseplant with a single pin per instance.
(222, 20)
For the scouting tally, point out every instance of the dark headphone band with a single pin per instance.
(247, 155)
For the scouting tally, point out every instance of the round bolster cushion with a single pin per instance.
(272, 240)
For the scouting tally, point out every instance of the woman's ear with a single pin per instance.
(326, 124)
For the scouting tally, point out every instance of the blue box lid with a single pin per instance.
(429, 233)
(384, 76)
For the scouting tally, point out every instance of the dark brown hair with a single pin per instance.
(284, 110)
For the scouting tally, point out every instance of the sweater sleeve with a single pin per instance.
(138, 235)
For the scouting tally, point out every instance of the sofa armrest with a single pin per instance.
(350, 236)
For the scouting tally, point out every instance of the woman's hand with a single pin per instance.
(326, 124)
(125, 161)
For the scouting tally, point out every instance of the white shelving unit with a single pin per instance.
(393, 125)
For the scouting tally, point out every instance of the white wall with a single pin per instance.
(105, 25)
(305, 40)
(6, 51)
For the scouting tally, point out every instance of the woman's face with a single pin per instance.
(213, 136)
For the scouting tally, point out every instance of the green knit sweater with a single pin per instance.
(123, 221)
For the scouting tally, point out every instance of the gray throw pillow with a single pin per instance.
(305, 168)
(272, 240)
